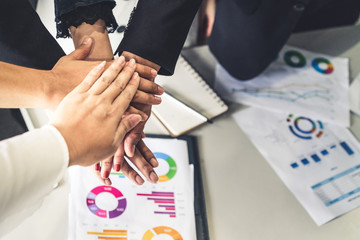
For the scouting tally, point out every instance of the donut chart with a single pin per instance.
(316, 127)
(172, 166)
(289, 59)
(90, 200)
(151, 233)
(316, 65)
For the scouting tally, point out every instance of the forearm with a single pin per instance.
(23, 87)
(101, 44)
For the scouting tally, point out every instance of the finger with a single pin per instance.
(146, 71)
(126, 125)
(122, 80)
(106, 181)
(83, 51)
(91, 78)
(131, 174)
(108, 76)
(132, 139)
(147, 154)
(106, 166)
(118, 158)
(132, 110)
(146, 98)
(145, 168)
(122, 101)
(150, 87)
(143, 135)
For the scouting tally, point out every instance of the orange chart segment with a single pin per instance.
(110, 234)
(150, 234)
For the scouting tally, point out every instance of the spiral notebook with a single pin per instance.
(188, 102)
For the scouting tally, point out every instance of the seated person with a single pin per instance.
(246, 35)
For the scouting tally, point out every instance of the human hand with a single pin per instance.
(206, 20)
(136, 150)
(68, 72)
(90, 118)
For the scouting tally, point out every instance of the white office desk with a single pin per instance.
(256, 205)
(245, 199)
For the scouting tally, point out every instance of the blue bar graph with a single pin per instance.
(346, 147)
(294, 165)
(305, 161)
(315, 158)
(324, 152)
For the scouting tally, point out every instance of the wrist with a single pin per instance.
(101, 49)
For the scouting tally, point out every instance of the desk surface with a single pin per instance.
(258, 205)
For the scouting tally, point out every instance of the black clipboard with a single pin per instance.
(202, 230)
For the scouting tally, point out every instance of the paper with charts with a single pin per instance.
(318, 162)
(298, 81)
(125, 211)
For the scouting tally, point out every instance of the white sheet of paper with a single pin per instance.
(298, 81)
(355, 95)
(150, 212)
(318, 162)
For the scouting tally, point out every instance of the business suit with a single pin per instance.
(156, 32)
(247, 34)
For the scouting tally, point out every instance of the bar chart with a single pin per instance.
(165, 202)
(110, 234)
(341, 148)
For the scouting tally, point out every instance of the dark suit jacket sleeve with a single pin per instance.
(24, 40)
(158, 29)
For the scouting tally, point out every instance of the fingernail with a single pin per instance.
(136, 75)
(86, 41)
(105, 174)
(117, 167)
(132, 63)
(154, 72)
(160, 90)
(139, 180)
(120, 60)
(154, 162)
(133, 149)
(154, 178)
(107, 182)
(97, 167)
(101, 65)
(158, 99)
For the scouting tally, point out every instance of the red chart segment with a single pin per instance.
(91, 202)
(164, 200)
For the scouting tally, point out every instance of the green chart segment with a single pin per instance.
(172, 166)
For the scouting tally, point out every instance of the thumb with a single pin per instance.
(126, 125)
(83, 50)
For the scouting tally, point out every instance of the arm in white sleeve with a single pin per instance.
(31, 164)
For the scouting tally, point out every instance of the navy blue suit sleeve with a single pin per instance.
(24, 40)
(158, 29)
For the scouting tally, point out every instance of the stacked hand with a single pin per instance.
(133, 147)
(91, 117)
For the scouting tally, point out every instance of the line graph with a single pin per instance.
(289, 92)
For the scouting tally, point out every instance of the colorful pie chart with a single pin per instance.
(152, 233)
(91, 203)
(172, 166)
(318, 62)
(294, 59)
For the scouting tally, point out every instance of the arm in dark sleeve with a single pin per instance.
(74, 13)
(24, 40)
(157, 31)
